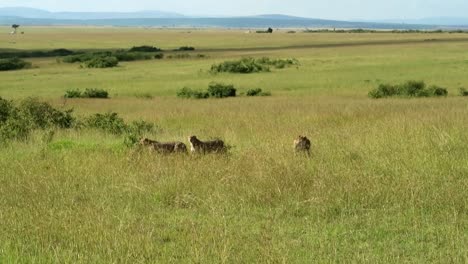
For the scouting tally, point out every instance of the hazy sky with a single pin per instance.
(331, 9)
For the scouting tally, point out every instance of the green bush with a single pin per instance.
(95, 93)
(131, 56)
(185, 48)
(42, 115)
(88, 93)
(257, 92)
(437, 91)
(102, 62)
(6, 109)
(219, 90)
(179, 56)
(245, 65)
(144, 49)
(251, 65)
(408, 89)
(159, 56)
(463, 92)
(17, 122)
(189, 93)
(82, 57)
(13, 64)
(73, 94)
(108, 122)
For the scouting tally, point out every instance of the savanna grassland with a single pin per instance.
(386, 182)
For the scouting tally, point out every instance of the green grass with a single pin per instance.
(386, 182)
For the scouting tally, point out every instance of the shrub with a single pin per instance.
(185, 48)
(437, 91)
(257, 92)
(131, 56)
(6, 108)
(13, 64)
(189, 93)
(88, 93)
(73, 94)
(463, 92)
(219, 90)
(61, 52)
(43, 115)
(109, 122)
(144, 49)
(16, 127)
(250, 65)
(17, 122)
(102, 62)
(136, 130)
(179, 56)
(83, 57)
(384, 90)
(159, 56)
(95, 93)
(245, 65)
(408, 89)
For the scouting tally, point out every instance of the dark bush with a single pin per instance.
(257, 92)
(102, 62)
(408, 89)
(6, 109)
(144, 49)
(219, 90)
(73, 94)
(95, 93)
(159, 56)
(185, 48)
(179, 56)
(84, 57)
(437, 91)
(463, 92)
(384, 90)
(131, 56)
(189, 93)
(13, 64)
(61, 52)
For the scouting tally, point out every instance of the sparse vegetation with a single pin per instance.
(13, 64)
(408, 89)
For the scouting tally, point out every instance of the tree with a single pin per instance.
(15, 27)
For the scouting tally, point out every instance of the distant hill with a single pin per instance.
(25, 12)
(31, 16)
(443, 21)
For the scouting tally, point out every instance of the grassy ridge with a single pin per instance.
(386, 182)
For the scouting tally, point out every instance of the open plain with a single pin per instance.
(386, 181)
